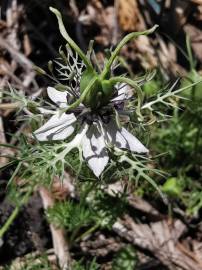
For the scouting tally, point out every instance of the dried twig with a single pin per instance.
(59, 242)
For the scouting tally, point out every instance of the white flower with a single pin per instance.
(97, 132)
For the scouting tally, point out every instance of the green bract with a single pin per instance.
(98, 88)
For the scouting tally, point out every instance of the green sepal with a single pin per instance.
(108, 91)
(100, 93)
(94, 95)
(86, 77)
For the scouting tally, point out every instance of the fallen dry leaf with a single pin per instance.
(161, 239)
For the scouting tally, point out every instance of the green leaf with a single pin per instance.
(172, 187)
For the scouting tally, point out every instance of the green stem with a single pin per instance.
(125, 40)
(83, 95)
(14, 214)
(9, 221)
(86, 233)
(69, 39)
(132, 83)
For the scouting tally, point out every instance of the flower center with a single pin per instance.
(99, 94)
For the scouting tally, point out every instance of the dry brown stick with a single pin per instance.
(12, 43)
(10, 106)
(18, 56)
(2, 134)
(3, 160)
(22, 60)
(2, 139)
(58, 235)
(12, 21)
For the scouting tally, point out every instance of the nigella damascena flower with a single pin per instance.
(98, 130)
(89, 108)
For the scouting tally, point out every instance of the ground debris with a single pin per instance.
(161, 239)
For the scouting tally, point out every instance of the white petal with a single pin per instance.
(58, 97)
(45, 111)
(121, 138)
(57, 128)
(133, 143)
(123, 92)
(94, 150)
